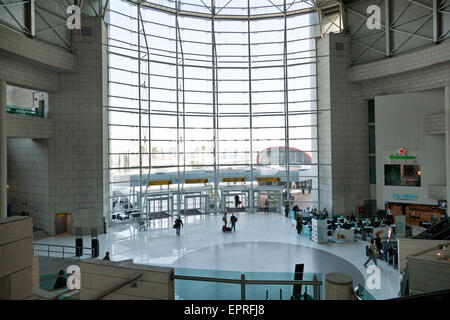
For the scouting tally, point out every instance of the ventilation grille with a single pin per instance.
(339, 47)
(86, 31)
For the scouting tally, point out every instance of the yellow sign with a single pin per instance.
(159, 182)
(233, 179)
(268, 179)
(196, 181)
(60, 215)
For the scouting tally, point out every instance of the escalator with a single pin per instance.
(438, 231)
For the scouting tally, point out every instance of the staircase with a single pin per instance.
(438, 231)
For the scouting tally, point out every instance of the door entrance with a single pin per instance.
(235, 200)
(60, 223)
(195, 204)
(159, 206)
(269, 200)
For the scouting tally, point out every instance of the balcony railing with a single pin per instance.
(24, 111)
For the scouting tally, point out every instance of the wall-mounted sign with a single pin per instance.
(233, 179)
(404, 196)
(268, 179)
(159, 182)
(187, 181)
(402, 157)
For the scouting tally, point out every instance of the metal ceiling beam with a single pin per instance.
(218, 17)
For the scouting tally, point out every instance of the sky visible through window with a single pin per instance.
(245, 122)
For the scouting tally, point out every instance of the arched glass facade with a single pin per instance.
(199, 89)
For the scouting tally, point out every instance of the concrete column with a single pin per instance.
(447, 138)
(3, 151)
(338, 286)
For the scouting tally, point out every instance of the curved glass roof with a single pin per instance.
(229, 8)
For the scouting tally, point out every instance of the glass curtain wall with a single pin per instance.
(208, 101)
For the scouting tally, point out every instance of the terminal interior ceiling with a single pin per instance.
(216, 93)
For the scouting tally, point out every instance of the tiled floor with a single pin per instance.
(261, 243)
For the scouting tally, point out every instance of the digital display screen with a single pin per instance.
(442, 204)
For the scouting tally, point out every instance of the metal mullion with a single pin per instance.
(198, 30)
(252, 178)
(214, 93)
(54, 30)
(5, 6)
(421, 5)
(436, 21)
(140, 106)
(178, 112)
(408, 4)
(411, 20)
(286, 106)
(148, 114)
(370, 46)
(206, 67)
(412, 34)
(205, 91)
(223, 103)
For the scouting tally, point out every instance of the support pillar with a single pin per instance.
(3, 152)
(338, 286)
(447, 139)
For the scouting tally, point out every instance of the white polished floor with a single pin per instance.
(261, 243)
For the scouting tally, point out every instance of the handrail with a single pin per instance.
(120, 285)
(27, 111)
(315, 283)
(428, 250)
(434, 226)
(63, 252)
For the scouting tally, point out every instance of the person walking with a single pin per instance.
(371, 252)
(178, 224)
(233, 220)
(266, 206)
(237, 201)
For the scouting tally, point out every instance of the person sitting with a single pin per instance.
(106, 257)
(61, 281)
(296, 209)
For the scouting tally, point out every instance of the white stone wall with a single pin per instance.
(16, 258)
(400, 122)
(438, 192)
(435, 124)
(29, 127)
(28, 180)
(324, 124)
(412, 247)
(36, 51)
(343, 138)
(98, 276)
(419, 71)
(413, 62)
(76, 149)
(428, 275)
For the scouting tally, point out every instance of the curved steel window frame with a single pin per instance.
(145, 56)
